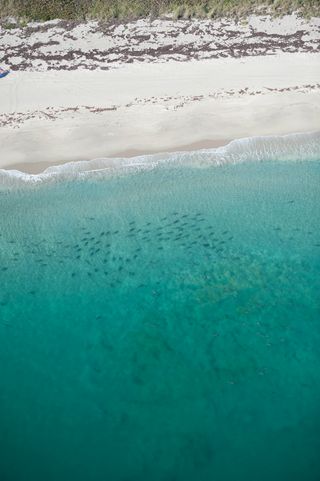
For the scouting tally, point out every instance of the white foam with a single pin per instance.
(292, 147)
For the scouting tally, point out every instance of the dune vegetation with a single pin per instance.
(132, 9)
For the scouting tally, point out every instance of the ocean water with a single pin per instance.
(162, 326)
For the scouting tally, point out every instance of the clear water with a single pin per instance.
(162, 326)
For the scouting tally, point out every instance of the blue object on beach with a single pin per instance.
(4, 73)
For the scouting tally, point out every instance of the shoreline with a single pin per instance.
(39, 167)
(58, 117)
(164, 93)
(130, 157)
(299, 147)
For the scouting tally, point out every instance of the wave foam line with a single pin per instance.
(292, 147)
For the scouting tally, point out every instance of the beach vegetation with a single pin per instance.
(132, 9)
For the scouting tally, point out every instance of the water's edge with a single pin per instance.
(291, 147)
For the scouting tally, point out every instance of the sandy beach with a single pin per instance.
(84, 91)
(159, 241)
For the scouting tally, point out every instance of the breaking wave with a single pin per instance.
(292, 147)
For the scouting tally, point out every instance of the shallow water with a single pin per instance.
(162, 326)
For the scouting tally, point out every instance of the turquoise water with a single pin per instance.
(162, 326)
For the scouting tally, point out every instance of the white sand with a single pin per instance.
(39, 47)
(53, 116)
